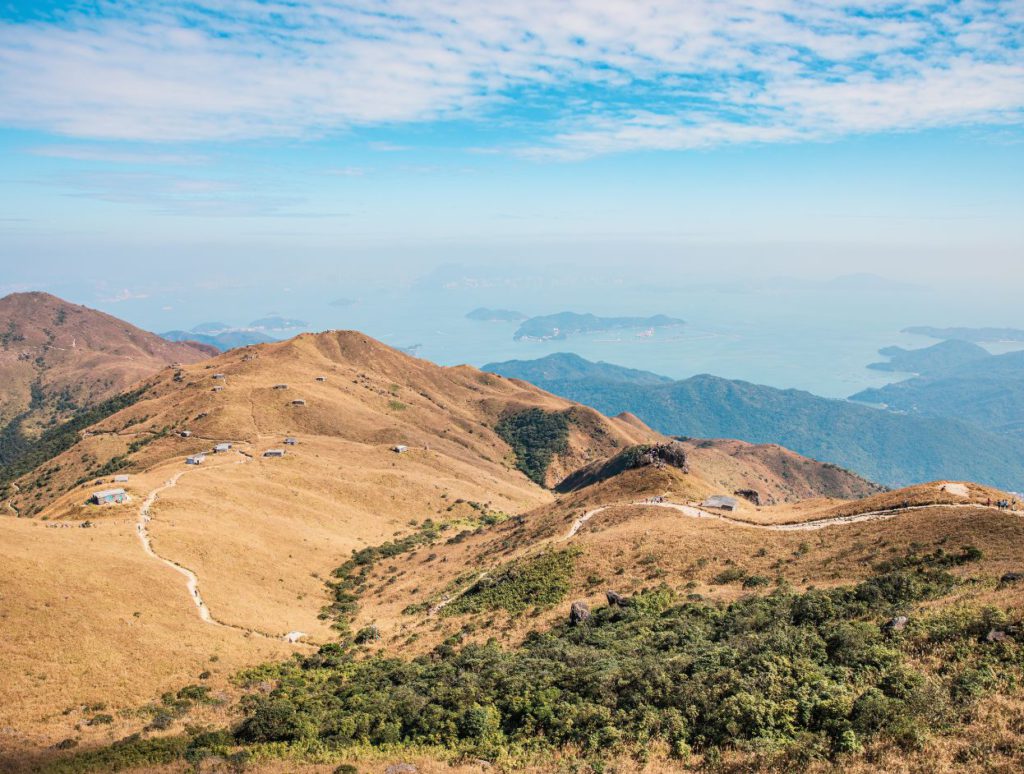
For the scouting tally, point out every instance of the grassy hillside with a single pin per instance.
(892, 449)
(58, 359)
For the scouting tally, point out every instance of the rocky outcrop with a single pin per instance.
(658, 455)
(751, 495)
(616, 600)
(579, 612)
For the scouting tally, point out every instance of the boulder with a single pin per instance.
(996, 635)
(616, 600)
(897, 624)
(1011, 577)
(579, 612)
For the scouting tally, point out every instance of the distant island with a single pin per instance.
(565, 324)
(968, 334)
(483, 314)
(938, 357)
(224, 340)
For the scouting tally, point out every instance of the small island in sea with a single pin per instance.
(968, 334)
(483, 314)
(565, 324)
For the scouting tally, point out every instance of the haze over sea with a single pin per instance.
(815, 335)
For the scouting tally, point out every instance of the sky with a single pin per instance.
(158, 151)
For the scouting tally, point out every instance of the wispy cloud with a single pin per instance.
(576, 78)
(114, 156)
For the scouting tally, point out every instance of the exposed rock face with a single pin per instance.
(751, 495)
(616, 600)
(579, 612)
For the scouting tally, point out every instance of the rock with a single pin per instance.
(1011, 577)
(401, 768)
(578, 613)
(616, 600)
(751, 495)
(897, 624)
(996, 635)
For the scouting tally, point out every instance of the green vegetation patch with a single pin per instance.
(540, 581)
(789, 678)
(18, 455)
(352, 575)
(535, 436)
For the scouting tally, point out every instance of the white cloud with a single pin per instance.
(113, 156)
(602, 75)
(124, 295)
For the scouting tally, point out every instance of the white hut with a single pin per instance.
(222, 447)
(195, 459)
(108, 497)
(274, 453)
(720, 502)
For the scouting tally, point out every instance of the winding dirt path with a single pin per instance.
(802, 526)
(191, 579)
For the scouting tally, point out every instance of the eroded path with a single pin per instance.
(191, 579)
(802, 526)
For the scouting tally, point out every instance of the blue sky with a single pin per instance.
(149, 145)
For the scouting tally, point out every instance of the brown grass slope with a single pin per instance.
(72, 356)
(262, 535)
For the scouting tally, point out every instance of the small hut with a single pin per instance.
(298, 402)
(108, 497)
(399, 449)
(274, 453)
(195, 459)
(721, 502)
(222, 447)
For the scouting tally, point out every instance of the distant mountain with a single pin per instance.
(483, 314)
(276, 323)
(57, 358)
(968, 334)
(938, 357)
(212, 328)
(890, 448)
(988, 392)
(567, 366)
(565, 324)
(222, 341)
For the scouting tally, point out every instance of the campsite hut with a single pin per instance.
(222, 447)
(321, 378)
(721, 502)
(274, 453)
(121, 479)
(298, 402)
(185, 433)
(280, 386)
(218, 376)
(289, 441)
(218, 388)
(399, 449)
(108, 496)
(195, 459)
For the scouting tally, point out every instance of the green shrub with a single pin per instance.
(540, 582)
